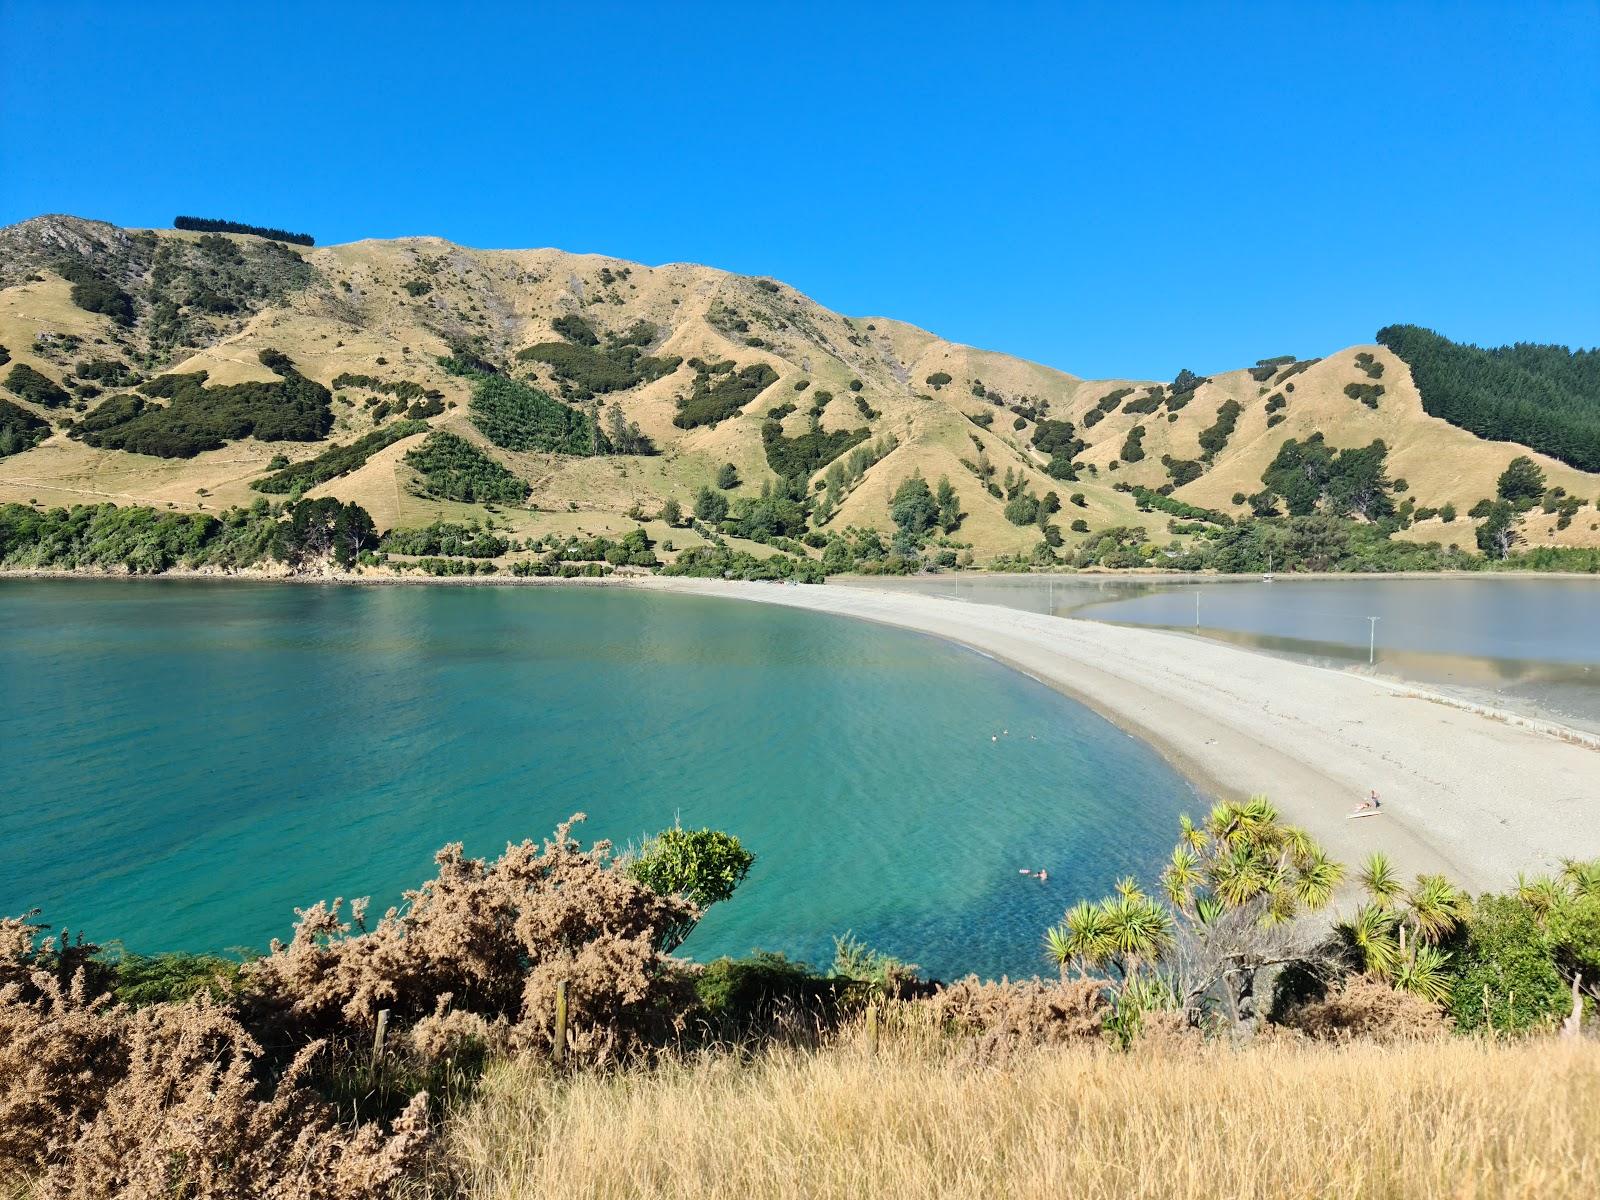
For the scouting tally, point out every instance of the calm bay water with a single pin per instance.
(1530, 644)
(185, 763)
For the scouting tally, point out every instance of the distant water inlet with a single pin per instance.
(1526, 644)
(186, 763)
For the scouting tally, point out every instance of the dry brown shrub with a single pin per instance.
(1030, 1012)
(1166, 1032)
(105, 1101)
(1367, 1009)
(497, 938)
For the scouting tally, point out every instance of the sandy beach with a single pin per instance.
(1473, 793)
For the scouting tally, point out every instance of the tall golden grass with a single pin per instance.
(1459, 1119)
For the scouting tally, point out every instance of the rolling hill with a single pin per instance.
(306, 349)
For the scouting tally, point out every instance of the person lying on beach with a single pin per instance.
(1370, 805)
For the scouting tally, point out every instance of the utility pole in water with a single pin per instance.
(1372, 639)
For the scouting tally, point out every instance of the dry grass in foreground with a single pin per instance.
(1452, 1119)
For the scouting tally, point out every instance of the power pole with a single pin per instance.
(1372, 639)
(1197, 608)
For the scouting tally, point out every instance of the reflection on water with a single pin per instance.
(1530, 645)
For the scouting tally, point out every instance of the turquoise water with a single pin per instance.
(185, 763)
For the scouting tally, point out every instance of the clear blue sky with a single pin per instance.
(1114, 189)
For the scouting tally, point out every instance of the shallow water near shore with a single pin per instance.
(185, 763)
(1529, 645)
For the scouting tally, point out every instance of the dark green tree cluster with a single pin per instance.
(719, 562)
(468, 540)
(333, 462)
(721, 391)
(1367, 393)
(196, 418)
(1214, 438)
(1061, 442)
(40, 389)
(93, 292)
(1546, 397)
(19, 429)
(1266, 368)
(210, 225)
(1311, 475)
(400, 389)
(321, 529)
(109, 371)
(809, 452)
(452, 468)
(587, 365)
(1522, 482)
(515, 416)
(1133, 445)
(1105, 406)
(148, 541)
(918, 510)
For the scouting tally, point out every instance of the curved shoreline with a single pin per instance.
(1476, 793)
(1472, 791)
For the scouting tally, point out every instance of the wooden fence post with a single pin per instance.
(560, 1051)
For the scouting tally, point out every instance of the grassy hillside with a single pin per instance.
(658, 378)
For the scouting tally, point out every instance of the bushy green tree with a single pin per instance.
(1522, 482)
(913, 508)
(1507, 979)
(710, 506)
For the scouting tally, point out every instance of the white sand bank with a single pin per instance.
(1469, 793)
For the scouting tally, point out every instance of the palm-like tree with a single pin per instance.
(1398, 931)
(1582, 878)
(1424, 973)
(1380, 880)
(1435, 907)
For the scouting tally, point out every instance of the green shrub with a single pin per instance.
(290, 409)
(1133, 446)
(452, 468)
(1215, 437)
(445, 538)
(1367, 393)
(515, 416)
(333, 462)
(40, 389)
(716, 397)
(1506, 958)
(139, 980)
(108, 371)
(938, 379)
(19, 429)
(803, 455)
